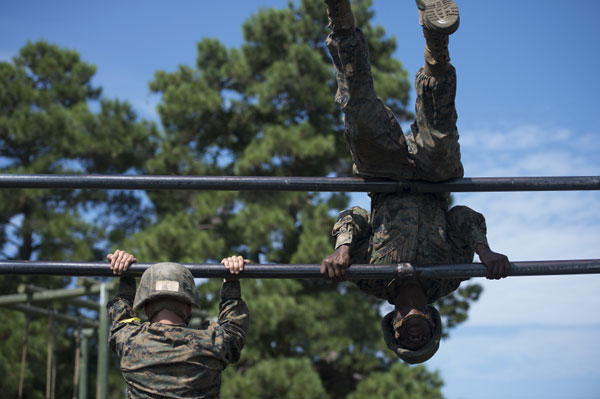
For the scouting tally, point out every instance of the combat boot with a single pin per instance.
(440, 16)
(340, 15)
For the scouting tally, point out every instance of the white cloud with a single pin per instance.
(570, 300)
(530, 151)
(531, 336)
(539, 226)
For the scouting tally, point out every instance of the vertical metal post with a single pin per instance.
(49, 354)
(77, 361)
(85, 356)
(102, 376)
(24, 356)
(53, 381)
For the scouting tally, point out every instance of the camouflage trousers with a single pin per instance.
(377, 144)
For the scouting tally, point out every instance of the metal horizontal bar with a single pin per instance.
(305, 271)
(43, 312)
(81, 303)
(44, 296)
(277, 183)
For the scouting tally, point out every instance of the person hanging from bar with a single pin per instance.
(164, 357)
(405, 227)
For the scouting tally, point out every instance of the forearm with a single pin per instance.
(121, 306)
(352, 227)
(234, 319)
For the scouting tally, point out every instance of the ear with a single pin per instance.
(188, 309)
(146, 309)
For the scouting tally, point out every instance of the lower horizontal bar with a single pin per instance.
(279, 183)
(43, 312)
(309, 271)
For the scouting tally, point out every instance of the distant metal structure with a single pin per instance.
(24, 302)
(277, 183)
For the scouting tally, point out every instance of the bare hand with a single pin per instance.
(120, 261)
(235, 264)
(497, 264)
(334, 266)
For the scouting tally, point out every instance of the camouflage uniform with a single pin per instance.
(402, 227)
(405, 227)
(408, 230)
(166, 361)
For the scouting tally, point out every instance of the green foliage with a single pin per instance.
(12, 330)
(417, 382)
(280, 378)
(46, 126)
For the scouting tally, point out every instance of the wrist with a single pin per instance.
(481, 247)
(343, 249)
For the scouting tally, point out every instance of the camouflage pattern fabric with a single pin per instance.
(165, 361)
(166, 280)
(375, 139)
(410, 228)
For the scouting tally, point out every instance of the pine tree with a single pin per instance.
(47, 126)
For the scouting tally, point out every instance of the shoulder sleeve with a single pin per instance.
(234, 318)
(121, 314)
(351, 227)
(467, 227)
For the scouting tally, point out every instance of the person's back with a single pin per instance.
(409, 227)
(163, 357)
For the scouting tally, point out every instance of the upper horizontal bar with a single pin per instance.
(310, 271)
(278, 183)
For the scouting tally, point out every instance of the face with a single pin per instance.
(414, 330)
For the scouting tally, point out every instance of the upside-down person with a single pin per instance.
(405, 227)
(164, 357)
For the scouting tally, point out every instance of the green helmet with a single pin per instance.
(413, 356)
(166, 280)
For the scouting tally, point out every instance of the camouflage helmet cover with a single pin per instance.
(166, 280)
(413, 356)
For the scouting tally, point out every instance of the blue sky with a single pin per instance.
(528, 106)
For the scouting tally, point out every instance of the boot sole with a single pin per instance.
(440, 15)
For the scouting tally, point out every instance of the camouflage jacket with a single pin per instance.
(164, 361)
(416, 228)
